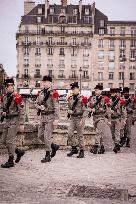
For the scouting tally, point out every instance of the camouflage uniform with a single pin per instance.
(49, 112)
(11, 125)
(118, 116)
(76, 116)
(101, 110)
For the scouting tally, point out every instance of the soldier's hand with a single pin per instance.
(3, 113)
(109, 123)
(93, 110)
(55, 123)
(70, 112)
(124, 122)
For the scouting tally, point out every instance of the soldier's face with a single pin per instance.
(113, 94)
(10, 88)
(75, 91)
(46, 84)
(98, 92)
(126, 94)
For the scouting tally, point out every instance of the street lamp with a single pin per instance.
(80, 71)
(122, 61)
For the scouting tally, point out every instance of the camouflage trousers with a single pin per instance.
(9, 134)
(115, 128)
(45, 130)
(127, 127)
(99, 129)
(76, 140)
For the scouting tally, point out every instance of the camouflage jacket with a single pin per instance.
(79, 109)
(12, 104)
(51, 106)
(99, 103)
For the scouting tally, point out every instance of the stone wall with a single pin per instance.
(28, 131)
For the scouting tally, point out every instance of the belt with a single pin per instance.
(76, 115)
(115, 117)
(47, 113)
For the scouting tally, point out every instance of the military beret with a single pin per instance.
(8, 81)
(98, 86)
(74, 85)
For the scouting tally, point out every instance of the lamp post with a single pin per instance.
(122, 61)
(80, 71)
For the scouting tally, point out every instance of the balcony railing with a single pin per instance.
(132, 59)
(111, 58)
(133, 47)
(62, 43)
(73, 77)
(61, 76)
(26, 43)
(74, 44)
(37, 65)
(74, 66)
(50, 43)
(26, 65)
(49, 65)
(85, 44)
(85, 77)
(25, 76)
(122, 47)
(38, 43)
(62, 66)
(37, 76)
(37, 54)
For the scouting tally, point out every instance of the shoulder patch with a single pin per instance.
(55, 94)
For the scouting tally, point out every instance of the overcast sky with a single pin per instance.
(12, 10)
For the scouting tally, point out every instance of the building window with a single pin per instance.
(111, 55)
(86, 20)
(101, 31)
(38, 51)
(26, 51)
(73, 63)
(37, 72)
(26, 62)
(111, 75)
(62, 51)
(74, 52)
(51, 10)
(133, 43)
(132, 54)
(101, 54)
(37, 40)
(101, 23)
(86, 52)
(132, 86)
(39, 10)
(74, 11)
(26, 39)
(121, 75)
(39, 19)
(85, 63)
(111, 65)
(132, 66)
(63, 10)
(122, 43)
(121, 85)
(26, 29)
(132, 76)
(111, 43)
(122, 31)
(62, 29)
(100, 75)
(110, 85)
(73, 74)
(101, 43)
(61, 73)
(50, 72)
(62, 19)
(85, 73)
(112, 31)
(133, 31)
(101, 65)
(50, 51)
(86, 11)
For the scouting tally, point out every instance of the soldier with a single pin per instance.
(11, 105)
(76, 114)
(99, 109)
(127, 128)
(118, 116)
(47, 104)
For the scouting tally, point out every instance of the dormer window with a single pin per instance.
(63, 11)
(101, 23)
(39, 10)
(51, 10)
(39, 19)
(86, 11)
(75, 11)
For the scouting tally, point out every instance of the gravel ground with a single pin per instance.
(95, 179)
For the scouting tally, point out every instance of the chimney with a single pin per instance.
(93, 8)
(64, 3)
(46, 7)
(80, 8)
(28, 6)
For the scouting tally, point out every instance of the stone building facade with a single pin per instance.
(73, 42)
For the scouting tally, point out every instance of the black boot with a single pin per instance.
(47, 158)
(73, 150)
(128, 142)
(102, 150)
(19, 153)
(55, 148)
(95, 149)
(81, 154)
(116, 148)
(9, 163)
(122, 141)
